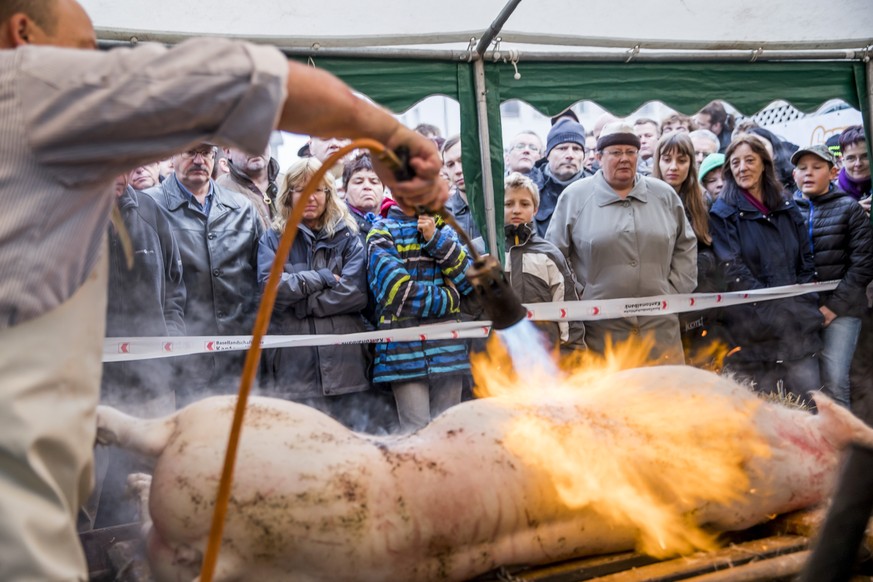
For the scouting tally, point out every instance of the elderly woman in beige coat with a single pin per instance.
(626, 235)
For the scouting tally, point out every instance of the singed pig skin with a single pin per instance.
(314, 501)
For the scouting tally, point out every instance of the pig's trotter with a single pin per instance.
(145, 436)
(138, 485)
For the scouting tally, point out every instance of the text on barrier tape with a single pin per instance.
(121, 349)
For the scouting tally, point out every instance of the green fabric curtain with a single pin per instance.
(621, 88)
(685, 86)
(397, 84)
(472, 159)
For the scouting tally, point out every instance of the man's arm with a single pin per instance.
(320, 104)
(91, 115)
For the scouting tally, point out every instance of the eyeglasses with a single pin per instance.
(205, 153)
(526, 146)
(621, 153)
(849, 160)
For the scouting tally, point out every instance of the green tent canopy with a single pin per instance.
(619, 54)
(621, 88)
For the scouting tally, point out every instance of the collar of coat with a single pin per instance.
(518, 234)
(272, 174)
(605, 195)
(176, 198)
(831, 194)
(128, 199)
(744, 208)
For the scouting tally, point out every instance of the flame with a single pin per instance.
(640, 455)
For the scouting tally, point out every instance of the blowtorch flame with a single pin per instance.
(645, 467)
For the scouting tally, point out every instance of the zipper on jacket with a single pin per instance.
(811, 217)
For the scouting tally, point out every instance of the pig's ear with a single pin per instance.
(839, 426)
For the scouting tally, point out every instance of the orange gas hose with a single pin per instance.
(253, 354)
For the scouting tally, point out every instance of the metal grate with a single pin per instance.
(777, 550)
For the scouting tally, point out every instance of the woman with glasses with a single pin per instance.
(322, 291)
(626, 235)
(854, 177)
(759, 237)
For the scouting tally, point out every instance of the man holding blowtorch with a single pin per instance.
(70, 121)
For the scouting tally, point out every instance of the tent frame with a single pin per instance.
(478, 71)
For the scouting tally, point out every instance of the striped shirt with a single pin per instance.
(409, 278)
(72, 120)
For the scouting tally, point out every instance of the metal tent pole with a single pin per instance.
(484, 130)
(485, 155)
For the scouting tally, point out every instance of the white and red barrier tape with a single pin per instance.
(120, 349)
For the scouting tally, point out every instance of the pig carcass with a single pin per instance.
(314, 501)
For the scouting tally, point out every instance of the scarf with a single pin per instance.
(854, 188)
(755, 202)
(564, 183)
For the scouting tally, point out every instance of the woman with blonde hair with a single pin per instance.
(674, 163)
(322, 291)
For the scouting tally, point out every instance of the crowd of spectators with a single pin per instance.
(642, 208)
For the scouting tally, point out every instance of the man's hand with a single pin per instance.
(318, 103)
(426, 188)
(829, 316)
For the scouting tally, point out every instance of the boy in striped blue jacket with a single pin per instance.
(416, 272)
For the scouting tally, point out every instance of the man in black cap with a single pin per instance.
(563, 165)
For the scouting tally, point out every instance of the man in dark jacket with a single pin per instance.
(145, 299)
(842, 246)
(217, 231)
(563, 165)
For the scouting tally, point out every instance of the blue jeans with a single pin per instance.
(839, 339)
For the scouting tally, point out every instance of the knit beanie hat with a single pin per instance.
(709, 163)
(617, 133)
(565, 131)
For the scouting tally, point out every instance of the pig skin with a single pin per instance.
(313, 501)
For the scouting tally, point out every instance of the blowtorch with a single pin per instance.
(501, 305)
